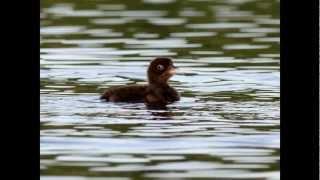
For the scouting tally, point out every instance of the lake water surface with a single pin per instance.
(227, 124)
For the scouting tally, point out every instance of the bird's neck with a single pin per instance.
(158, 83)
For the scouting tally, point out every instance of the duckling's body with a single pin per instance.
(156, 93)
(129, 93)
(160, 95)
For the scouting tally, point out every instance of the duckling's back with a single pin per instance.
(125, 93)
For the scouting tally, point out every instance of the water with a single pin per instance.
(226, 125)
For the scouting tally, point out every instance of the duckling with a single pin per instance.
(156, 93)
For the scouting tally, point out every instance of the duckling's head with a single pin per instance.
(161, 70)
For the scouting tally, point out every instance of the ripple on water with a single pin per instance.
(221, 26)
(244, 47)
(167, 21)
(60, 30)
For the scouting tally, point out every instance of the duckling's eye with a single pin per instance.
(160, 67)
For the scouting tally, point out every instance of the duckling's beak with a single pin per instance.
(174, 66)
(172, 70)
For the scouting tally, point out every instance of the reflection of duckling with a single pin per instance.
(156, 93)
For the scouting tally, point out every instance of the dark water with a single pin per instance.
(226, 125)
